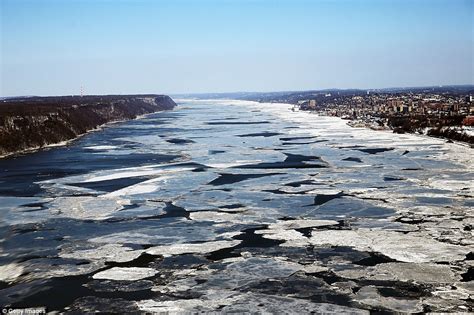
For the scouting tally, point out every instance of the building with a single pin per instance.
(468, 121)
(396, 105)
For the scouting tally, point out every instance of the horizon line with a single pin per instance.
(255, 92)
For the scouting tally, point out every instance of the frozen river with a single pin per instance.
(236, 206)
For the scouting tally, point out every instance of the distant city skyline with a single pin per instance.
(55, 47)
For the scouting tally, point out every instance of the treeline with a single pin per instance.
(441, 127)
(451, 134)
(402, 124)
(27, 123)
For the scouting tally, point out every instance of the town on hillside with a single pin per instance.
(446, 112)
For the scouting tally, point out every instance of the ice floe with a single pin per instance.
(370, 296)
(244, 303)
(244, 272)
(10, 272)
(408, 272)
(107, 253)
(173, 232)
(149, 170)
(215, 216)
(292, 238)
(203, 248)
(126, 274)
(101, 147)
(398, 246)
(300, 224)
(144, 187)
(84, 207)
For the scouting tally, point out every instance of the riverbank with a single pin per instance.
(459, 151)
(29, 124)
(460, 134)
(405, 125)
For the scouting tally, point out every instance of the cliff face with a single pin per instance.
(28, 123)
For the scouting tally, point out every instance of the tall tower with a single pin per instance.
(82, 91)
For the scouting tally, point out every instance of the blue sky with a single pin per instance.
(52, 47)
